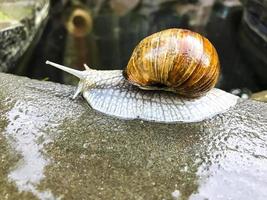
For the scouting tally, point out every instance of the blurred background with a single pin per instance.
(103, 34)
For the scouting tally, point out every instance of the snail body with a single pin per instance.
(184, 84)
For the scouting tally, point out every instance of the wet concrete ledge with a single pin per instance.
(54, 147)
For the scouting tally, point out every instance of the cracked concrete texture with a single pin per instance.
(54, 147)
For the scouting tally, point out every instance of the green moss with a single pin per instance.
(21, 12)
(3, 16)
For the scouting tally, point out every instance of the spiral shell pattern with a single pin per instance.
(176, 60)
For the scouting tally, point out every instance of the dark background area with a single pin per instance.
(106, 32)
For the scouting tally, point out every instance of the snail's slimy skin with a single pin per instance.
(125, 101)
(109, 93)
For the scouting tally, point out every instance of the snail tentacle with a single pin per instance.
(82, 75)
(86, 67)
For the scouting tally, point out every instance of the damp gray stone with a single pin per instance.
(54, 147)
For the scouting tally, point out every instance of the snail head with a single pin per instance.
(82, 75)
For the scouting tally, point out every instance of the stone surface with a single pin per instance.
(54, 147)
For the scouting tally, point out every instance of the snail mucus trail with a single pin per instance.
(170, 77)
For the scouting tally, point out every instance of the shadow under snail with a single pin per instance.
(170, 77)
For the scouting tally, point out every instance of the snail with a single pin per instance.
(170, 77)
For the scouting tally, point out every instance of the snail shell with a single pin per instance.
(176, 60)
(109, 92)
